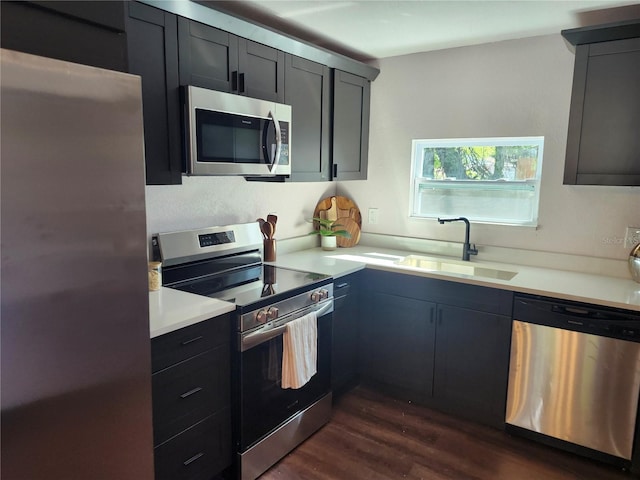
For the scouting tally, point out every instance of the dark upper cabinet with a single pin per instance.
(307, 90)
(90, 33)
(351, 98)
(215, 59)
(153, 54)
(260, 71)
(604, 121)
(208, 56)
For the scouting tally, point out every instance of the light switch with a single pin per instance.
(373, 216)
(632, 237)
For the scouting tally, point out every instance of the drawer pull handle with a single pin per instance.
(190, 392)
(342, 285)
(193, 459)
(187, 342)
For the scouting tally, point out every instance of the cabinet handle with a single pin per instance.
(191, 392)
(241, 83)
(335, 170)
(234, 80)
(187, 342)
(193, 459)
(341, 285)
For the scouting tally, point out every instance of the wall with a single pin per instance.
(511, 88)
(208, 201)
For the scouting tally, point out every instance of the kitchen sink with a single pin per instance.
(463, 268)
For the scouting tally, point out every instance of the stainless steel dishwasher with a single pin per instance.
(574, 377)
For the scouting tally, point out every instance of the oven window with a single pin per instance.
(264, 404)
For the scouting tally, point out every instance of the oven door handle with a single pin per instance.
(256, 338)
(262, 335)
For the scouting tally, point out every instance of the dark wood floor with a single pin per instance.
(375, 437)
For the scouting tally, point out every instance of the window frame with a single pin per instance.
(418, 146)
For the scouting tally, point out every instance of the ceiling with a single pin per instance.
(371, 29)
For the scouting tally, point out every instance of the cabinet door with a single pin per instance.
(208, 56)
(260, 71)
(604, 121)
(307, 91)
(153, 54)
(344, 358)
(398, 343)
(472, 363)
(351, 98)
(90, 33)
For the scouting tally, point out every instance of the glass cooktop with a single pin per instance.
(256, 285)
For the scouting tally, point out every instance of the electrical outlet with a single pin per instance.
(632, 237)
(373, 216)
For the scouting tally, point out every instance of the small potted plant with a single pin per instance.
(328, 233)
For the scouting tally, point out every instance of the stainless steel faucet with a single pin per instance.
(468, 248)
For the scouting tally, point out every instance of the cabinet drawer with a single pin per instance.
(199, 453)
(187, 342)
(341, 287)
(188, 392)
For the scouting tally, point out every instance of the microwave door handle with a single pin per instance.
(276, 157)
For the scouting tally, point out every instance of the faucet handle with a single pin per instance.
(472, 250)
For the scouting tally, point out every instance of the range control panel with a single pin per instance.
(219, 238)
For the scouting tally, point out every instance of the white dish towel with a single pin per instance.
(300, 351)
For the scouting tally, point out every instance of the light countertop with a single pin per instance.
(582, 287)
(171, 310)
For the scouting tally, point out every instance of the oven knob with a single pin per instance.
(261, 316)
(324, 294)
(315, 297)
(272, 313)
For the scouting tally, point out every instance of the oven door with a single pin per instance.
(264, 404)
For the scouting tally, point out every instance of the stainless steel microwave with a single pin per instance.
(234, 135)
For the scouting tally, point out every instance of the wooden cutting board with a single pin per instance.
(350, 225)
(338, 206)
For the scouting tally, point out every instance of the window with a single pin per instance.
(488, 180)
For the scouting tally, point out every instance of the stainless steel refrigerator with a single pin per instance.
(76, 376)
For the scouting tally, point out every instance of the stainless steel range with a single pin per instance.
(226, 263)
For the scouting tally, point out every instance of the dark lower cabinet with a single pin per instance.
(472, 363)
(344, 352)
(192, 401)
(153, 54)
(453, 356)
(307, 90)
(351, 98)
(90, 33)
(398, 343)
